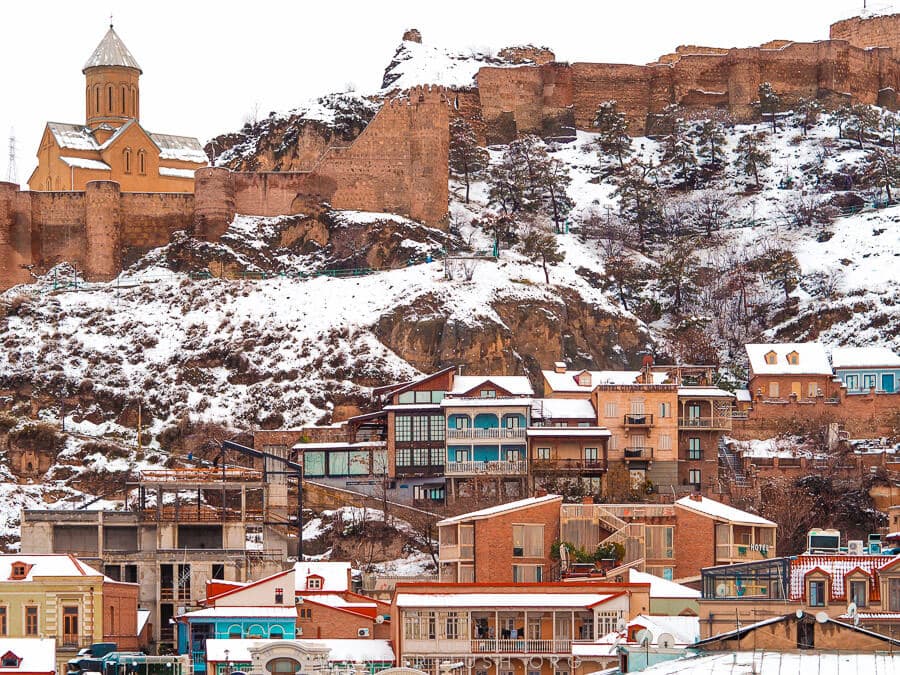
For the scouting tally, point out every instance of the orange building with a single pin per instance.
(112, 144)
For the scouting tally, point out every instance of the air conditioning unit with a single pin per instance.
(299, 630)
(855, 547)
(363, 632)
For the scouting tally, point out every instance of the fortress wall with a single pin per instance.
(58, 228)
(512, 101)
(876, 31)
(265, 194)
(148, 220)
(630, 86)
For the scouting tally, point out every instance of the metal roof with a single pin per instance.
(111, 52)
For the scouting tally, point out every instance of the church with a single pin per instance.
(112, 145)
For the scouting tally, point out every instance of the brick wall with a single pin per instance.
(148, 220)
(120, 604)
(876, 31)
(695, 542)
(330, 623)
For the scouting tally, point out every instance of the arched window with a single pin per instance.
(127, 160)
(276, 633)
(109, 94)
(486, 421)
(97, 99)
(283, 666)
(235, 632)
(49, 184)
(112, 616)
(124, 98)
(142, 166)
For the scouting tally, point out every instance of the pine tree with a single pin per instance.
(710, 140)
(612, 129)
(555, 182)
(779, 266)
(862, 121)
(540, 246)
(500, 226)
(768, 103)
(752, 156)
(678, 271)
(884, 167)
(680, 153)
(808, 111)
(466, 158)
(640, 204)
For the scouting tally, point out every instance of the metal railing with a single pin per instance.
(638, 420)
(495, 467)
(744, 552)
(523, 646)
(568, 464)
(723, 423)
(638, 453)
(493, 432)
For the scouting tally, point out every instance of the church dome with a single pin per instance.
(111, 52)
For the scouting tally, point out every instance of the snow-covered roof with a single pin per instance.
(563, 408)
(176, 173)
(517, 385)
(73, 136)
(714, 509)
(780, 663)
(181, 148)
(111, 52)
(743, 395)
(514, 598)
(479, 402)
(572, 432)
(812, 359)
(337, 601)
(566, 382)
(82, 163)
(501, 508)
(864, 357)
(836, 566)
(252, 611)
(713, 392)
(143, 616)
(685, 629)
(662, 588)
(38, 655)
(340, 649)
(49, 565)
(335, 575)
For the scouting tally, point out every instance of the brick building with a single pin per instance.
(112, 145)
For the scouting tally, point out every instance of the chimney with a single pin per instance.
(587, 500)
(559, 367)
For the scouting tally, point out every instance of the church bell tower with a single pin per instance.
(112, 91)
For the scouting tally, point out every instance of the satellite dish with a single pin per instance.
(799, 613)
(643, 637)
(666, 641)
(379, 618)
(722, 590)
(822, 617)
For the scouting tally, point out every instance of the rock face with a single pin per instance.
(412, 35)
(532, 334)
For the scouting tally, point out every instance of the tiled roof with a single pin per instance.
(837, 566)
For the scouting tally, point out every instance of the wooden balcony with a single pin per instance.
(493, 433)
(491, 468)
(638, 421)
(452, 552)
(705, 423)
(641, 454)
(521, 646)
(563, 465)
(733, 553)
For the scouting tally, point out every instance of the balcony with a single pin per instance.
(638, 454)
(493, 468)
(706, 423)
(743, 552)
(451, 552)
(638, 420)
(562, 465)
(521, 646)
(485, 434)
(420, 470)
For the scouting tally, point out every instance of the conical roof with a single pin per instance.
(111, 52)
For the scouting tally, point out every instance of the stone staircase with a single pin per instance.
(731, 468)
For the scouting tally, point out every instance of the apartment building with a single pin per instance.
(794, 369)
(509, 543)
(67, 602)
(497, 628)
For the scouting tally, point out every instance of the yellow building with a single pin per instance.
(59, 597)
(112, 144)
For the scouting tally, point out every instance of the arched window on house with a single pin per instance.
(142, 164)
(127, 160)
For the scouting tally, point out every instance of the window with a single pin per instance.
(868, 381)
(141, 163)
(31, 620)
(665, 409)
(305, 614)
(109, 96)
(613, 442)
(124, 98)
(70, 625)
(591, 455)
(543, 453)
(437, 427)
(610, 410)
(812, 390)
(771, 358)
(852, 381)
(403, 428)
(523, 574)
(314, 583)
(279, 596)
(528, 541)
(793, 358)
(420, 457)
(665, 442)
(96, 99)
(283, 666)
(694, 450)
(511, 454)
(19, 571)
(773, 390)
(894, 595)
(806, 635)
(404, 457)
(817, 593)
(10, 660)
(127, 160)
(218, 571)
(3, 627)
(452, 625)
(423, 397)
(420, 425)
(609, 622)
(407, 397)
(694, 476)
(859, 593)
(488, 393)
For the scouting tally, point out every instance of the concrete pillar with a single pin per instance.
(102, 229)
(214, 207)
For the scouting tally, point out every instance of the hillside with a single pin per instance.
(293, 320)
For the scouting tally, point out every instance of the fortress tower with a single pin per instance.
(112, 92)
